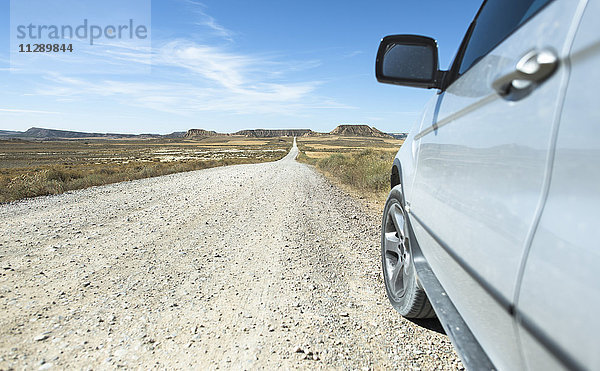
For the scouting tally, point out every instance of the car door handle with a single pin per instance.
(533, 68)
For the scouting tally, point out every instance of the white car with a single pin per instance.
(492, 222)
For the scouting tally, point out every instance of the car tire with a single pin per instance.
(402, 285)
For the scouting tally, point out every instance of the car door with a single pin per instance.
(559, 299)
(483, 160)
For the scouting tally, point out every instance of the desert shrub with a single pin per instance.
(39, 183)
(367, 170)
(107, 171)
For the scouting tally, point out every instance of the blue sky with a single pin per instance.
(227, 65)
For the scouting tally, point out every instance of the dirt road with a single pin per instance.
(239, 267)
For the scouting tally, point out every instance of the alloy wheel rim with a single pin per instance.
(396, 252)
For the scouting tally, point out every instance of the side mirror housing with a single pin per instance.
(408, 60)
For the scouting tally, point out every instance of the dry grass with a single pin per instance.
(332, 144)
(29, 169)
(316, 155)
(360, 163)
(367, 170)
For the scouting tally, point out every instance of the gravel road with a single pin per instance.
(241, 267)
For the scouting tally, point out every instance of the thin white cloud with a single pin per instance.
(212, 63)
(352, 54)
(195, 78)
(221, 31)
(11, 110)
(205, 20)
(188, 100)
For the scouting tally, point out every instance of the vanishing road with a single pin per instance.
(240, 267)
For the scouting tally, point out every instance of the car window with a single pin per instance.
(496, 20)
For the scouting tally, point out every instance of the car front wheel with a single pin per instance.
(399, 274)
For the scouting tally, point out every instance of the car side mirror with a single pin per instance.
(408, 60)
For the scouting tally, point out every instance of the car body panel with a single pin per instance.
(408, 153)
(481, 163)
(560, 289)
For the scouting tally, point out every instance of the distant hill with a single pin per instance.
(359, 131)
(41, 133)
(175, 134)
(271, 133)
(201, 133)
(9, 133)
(53, 134)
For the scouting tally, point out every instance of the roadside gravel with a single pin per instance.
(241, 267)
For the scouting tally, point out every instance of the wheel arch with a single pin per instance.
(396, 177)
